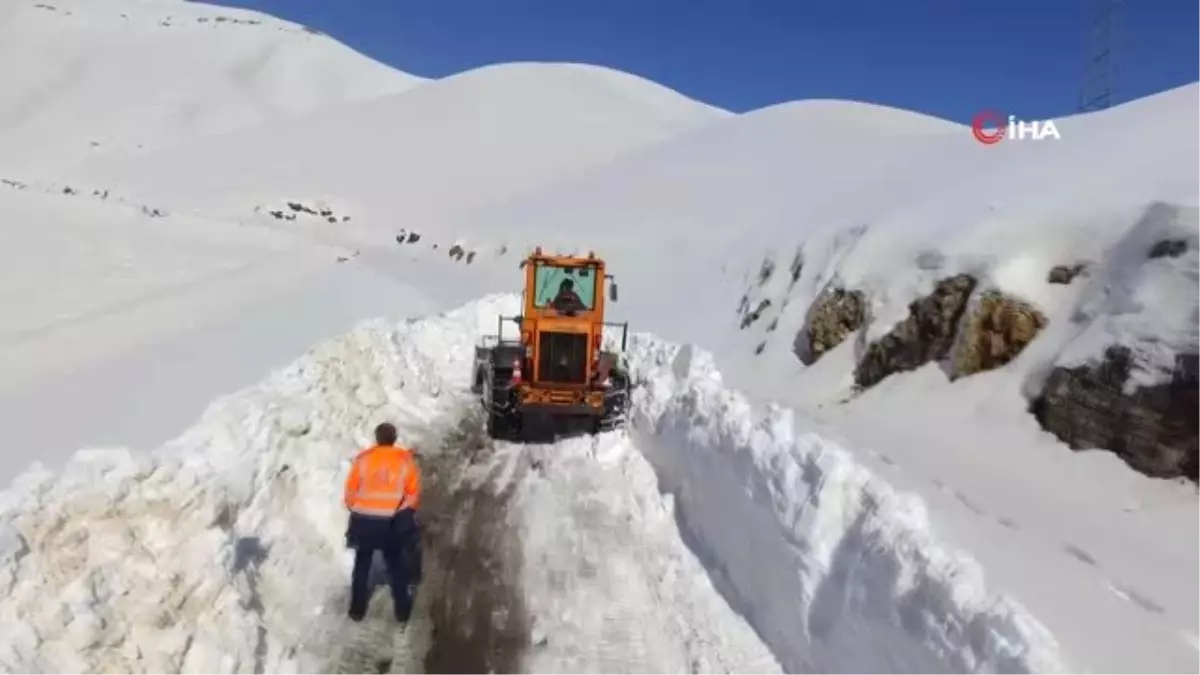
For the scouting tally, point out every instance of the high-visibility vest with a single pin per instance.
(383, 480)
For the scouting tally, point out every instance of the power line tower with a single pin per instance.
(1098, 76)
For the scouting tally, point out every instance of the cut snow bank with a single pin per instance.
(835, 569)
(189, 558)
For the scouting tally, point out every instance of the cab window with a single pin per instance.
(548, 279)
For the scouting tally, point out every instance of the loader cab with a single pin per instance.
(562, 371)
(564, 316)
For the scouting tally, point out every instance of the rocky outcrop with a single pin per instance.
(1153, 429)
(1064, 274)
(926, 335)
(995, 333)
(835, 314)
(1168, 248)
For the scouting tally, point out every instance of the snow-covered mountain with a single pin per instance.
(85, 78)
(444, 149)
(912, 330)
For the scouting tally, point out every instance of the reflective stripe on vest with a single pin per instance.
(366, 511)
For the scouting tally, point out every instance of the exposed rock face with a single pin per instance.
(1154, 429)
(996, 333)
(835, 314)
(926, 335)
(1064, 274)
(1168, 248)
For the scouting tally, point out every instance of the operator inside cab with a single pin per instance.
(567, 300)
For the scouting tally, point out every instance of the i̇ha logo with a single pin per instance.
(990, 127)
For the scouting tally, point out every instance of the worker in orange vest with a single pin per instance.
(383, 493)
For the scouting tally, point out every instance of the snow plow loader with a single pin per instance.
(555, 377)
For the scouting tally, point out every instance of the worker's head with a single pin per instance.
(566, 285)
(385, 434)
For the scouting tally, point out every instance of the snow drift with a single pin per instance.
(189, 558)
(152, 73)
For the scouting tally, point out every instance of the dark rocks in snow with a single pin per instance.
(1065, 274)
(796, 268)
(835, 314)
(68, 190)
(293, 209)
(995, 333)
(345, 258)
(750, 317)
(14, 184)
(153, 213)
(470, 257)
(1153, 429)
(765, 271)
(926, 335)
(457, 252)
(229, 20)
(1168, 248)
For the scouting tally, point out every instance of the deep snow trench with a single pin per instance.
(713, 537)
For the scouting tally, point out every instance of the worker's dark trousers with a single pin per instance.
(398, 539)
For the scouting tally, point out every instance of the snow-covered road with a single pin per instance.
(709, 538)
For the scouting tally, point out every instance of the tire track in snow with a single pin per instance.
(475, 602)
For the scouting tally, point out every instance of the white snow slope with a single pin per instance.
(84, 78)
(446, 148)
(189, 558)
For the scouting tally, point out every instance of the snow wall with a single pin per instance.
(191, 557)
(837, 571)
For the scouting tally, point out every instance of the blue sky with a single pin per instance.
(949, 58)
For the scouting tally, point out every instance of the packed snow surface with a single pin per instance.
(189, 558)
